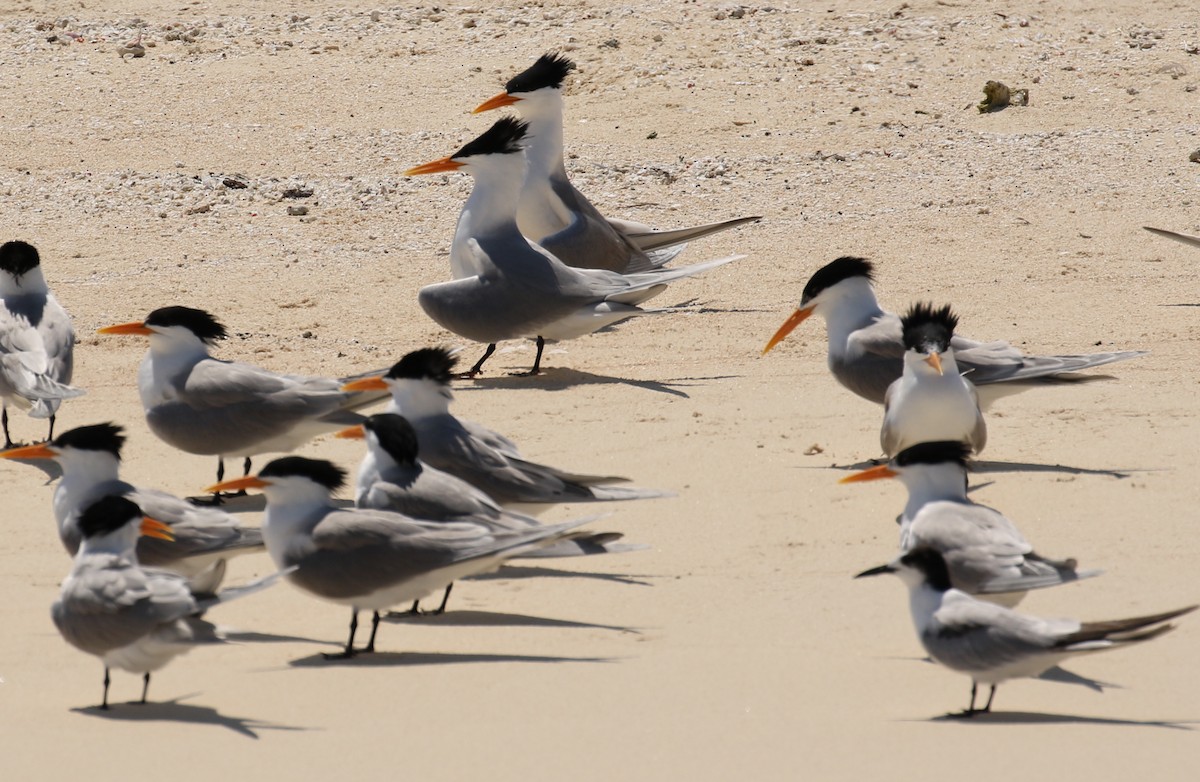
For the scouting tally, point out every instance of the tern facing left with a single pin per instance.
(505, 287)
(37, 341)
(931, 401)
(993, 644)
(1188, 239)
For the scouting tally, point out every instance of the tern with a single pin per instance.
(507, 288)
(420, 387)
(931, 400)
(986, 554)
(392, 477)
(90, 456)
(556, 216)
(993, 644)
(866, 347)
(37, 341)
(371, 559)
(132, 618)
(1194, 241)
(203, 405)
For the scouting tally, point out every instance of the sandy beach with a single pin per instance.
(737, 646)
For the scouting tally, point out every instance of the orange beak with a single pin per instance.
(366, 384)
(935, 361)
(495, 102)
(798, 317)
(39, 451)
(439, 166)
(126, 329)
(238, 484)
(873, 474)
(153, 528)
(352, 433)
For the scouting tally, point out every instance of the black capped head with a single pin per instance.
(844, 268)
(395, 435)
(927, 329)
(931, 564)
(435, 364)
(319, 471)
(18, 257)
(941, 452)
(97, 437)
(199, 322)
(550, 70)
(503, 138)
(106, 515)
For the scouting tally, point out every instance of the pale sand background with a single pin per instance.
(739, 647)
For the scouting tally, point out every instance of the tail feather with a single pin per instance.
(1124, 630)
(654, 240)
(1194, 241)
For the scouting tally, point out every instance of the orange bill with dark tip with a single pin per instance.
(439, 166)
(355, 432)
(873, 474)
(238, 484)
(366, 384)
(39, 451)
(495, 102)
(126, 328)
(798, 317)
(935, 360)
(153, 528)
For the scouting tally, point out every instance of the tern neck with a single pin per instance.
(492, 205)
(849, 306)
(544, 113)
(121, 543)
(418, 399)
(83, 471)
(290, 519)
(923, 602)
(31, 282)
(928, 483)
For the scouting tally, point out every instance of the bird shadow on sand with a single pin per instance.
(562, 378)
(495, 619)
(174, 711)
(536, 571)
(985, 467)
(1057, 675)
(1034, 718)
(251, 637)
(405, 659)
(47, 467)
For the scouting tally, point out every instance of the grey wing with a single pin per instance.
(874, 359)
(590, 241)
(889, 439)
(429, 494)
(197, 530)
(980, 544)
(979, 433)
(973, 636)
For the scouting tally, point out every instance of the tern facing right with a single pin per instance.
(37, 341)
(993, 644)
(505, 287)
(556, 216)
(987, 556)
(866, 346)
(133, 619)
(371, 559)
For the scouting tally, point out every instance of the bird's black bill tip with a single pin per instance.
(876, 571)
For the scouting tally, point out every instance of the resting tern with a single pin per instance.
(507, 288)
(371, 559)
(132, 618)
(90, 457)
(993, 644)
(986, 554)
(931, 400)
(1194, 241)
(420, 388)
(556, 216)
(37, 341)
(203, 405)
(866, 347)
(392, 477)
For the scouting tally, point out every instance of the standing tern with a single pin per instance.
(931, 400)
(556, 216)
(392, 477)
(993, 644)
(371, 559)
(203, 405)
(1194, 241)
(37, 341)
(420, 387)
(985, 553)
(866, 347)
(134, 619)
(507, 288)
(90, 457)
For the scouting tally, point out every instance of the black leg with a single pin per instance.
(145, 687)
(988, 706)
(8, 443)
(50, 436)
(446, 597)
(537, 361)
(348, 652)
(475, 370)
(220, 469)
(374, 627)
(245, 469)
(104, 702)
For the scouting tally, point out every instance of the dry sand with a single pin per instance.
(738, 647)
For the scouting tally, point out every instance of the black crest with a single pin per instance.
(97, 437)
(433, 363)
(550, 70)
(396, 436)
(318, 471)
(930, 562)
(107, 514)
(18, 257)
(198, 322)
(503, 138)
(925, 327)
(831, 274)
(941, 452)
